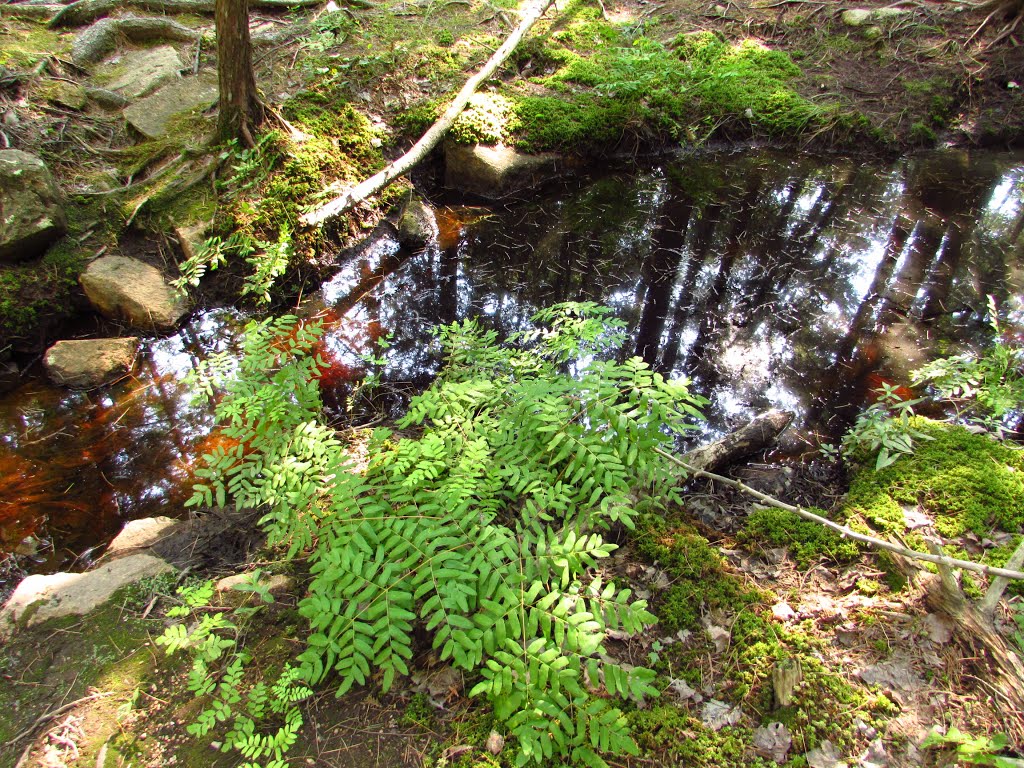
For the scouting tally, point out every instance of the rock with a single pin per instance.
(106, 98)
(773, 741)
(40, 598)
(716, 715)
(97, 40)
(140, 534)
(154, 115)
(417, 225)
(494, 172)
(90, 362)
(138, 73)
(229, 593)
(495, 743)
(124, 288)
(856, 17)
(64, 94)
(191, 237)
(31, 210)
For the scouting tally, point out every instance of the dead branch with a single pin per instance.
(843, 530)
(87, 11)
(755, 436)
(434, 134)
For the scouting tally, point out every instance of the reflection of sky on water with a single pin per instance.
(769, 280)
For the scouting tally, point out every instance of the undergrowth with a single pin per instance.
(481, 523)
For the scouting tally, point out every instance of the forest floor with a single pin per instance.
(880, 669)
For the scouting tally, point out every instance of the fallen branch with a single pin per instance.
(849, 533)
(434, 134)
(753, 437)
(87, 11)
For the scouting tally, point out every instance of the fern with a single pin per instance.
(485, 529)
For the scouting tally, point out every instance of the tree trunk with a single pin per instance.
(241, 110)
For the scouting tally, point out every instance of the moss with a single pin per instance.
(697, 572)
(674, 737)
(23, 44)
(966, 482)
(808, 541)
(32, 292)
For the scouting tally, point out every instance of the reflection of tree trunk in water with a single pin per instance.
(711, 310)
(924, 246)
(703, 239)
(448, 273)
(170, 409)
(659, 274)
(843, 378)
(940, 278)
(797, 249)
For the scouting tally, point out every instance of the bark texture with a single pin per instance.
(241, 111)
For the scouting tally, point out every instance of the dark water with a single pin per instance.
(770, 280)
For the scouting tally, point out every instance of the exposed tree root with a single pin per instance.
(759, 434)
(87, 11)
(95, 42)
(943, 594)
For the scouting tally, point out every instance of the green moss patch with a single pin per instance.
(965, 482)
(808, 541)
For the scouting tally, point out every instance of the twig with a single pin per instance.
(42, 719)
(844, 531)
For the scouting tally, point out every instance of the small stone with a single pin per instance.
(495, 743)
(90, 362)
(129, 289)
(856, 17)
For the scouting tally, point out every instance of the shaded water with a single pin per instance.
(770, 280)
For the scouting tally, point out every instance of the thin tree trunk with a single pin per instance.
(241, 111)
(434, 134)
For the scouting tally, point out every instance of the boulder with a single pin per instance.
(191, 237)
(494, 172)
(141, 534)
(128, 289)
(417, 225)
(138, 73)
(31, 210)
(153, 116)
(90, 362)
(39, 598)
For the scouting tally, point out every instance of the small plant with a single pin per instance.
(218, 669)
(972, 750)
(883, 430)
(987, 386)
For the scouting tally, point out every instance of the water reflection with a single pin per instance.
(769, 280)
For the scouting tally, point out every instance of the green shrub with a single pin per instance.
(483, 529)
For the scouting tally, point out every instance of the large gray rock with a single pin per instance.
(131, 290)
(90, 362)
(153, 116)
(40, 598)
(31, 211)
(494, 172)
(138, 73)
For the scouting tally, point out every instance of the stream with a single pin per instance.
(770, 280)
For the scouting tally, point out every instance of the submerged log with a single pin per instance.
(754, 437)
